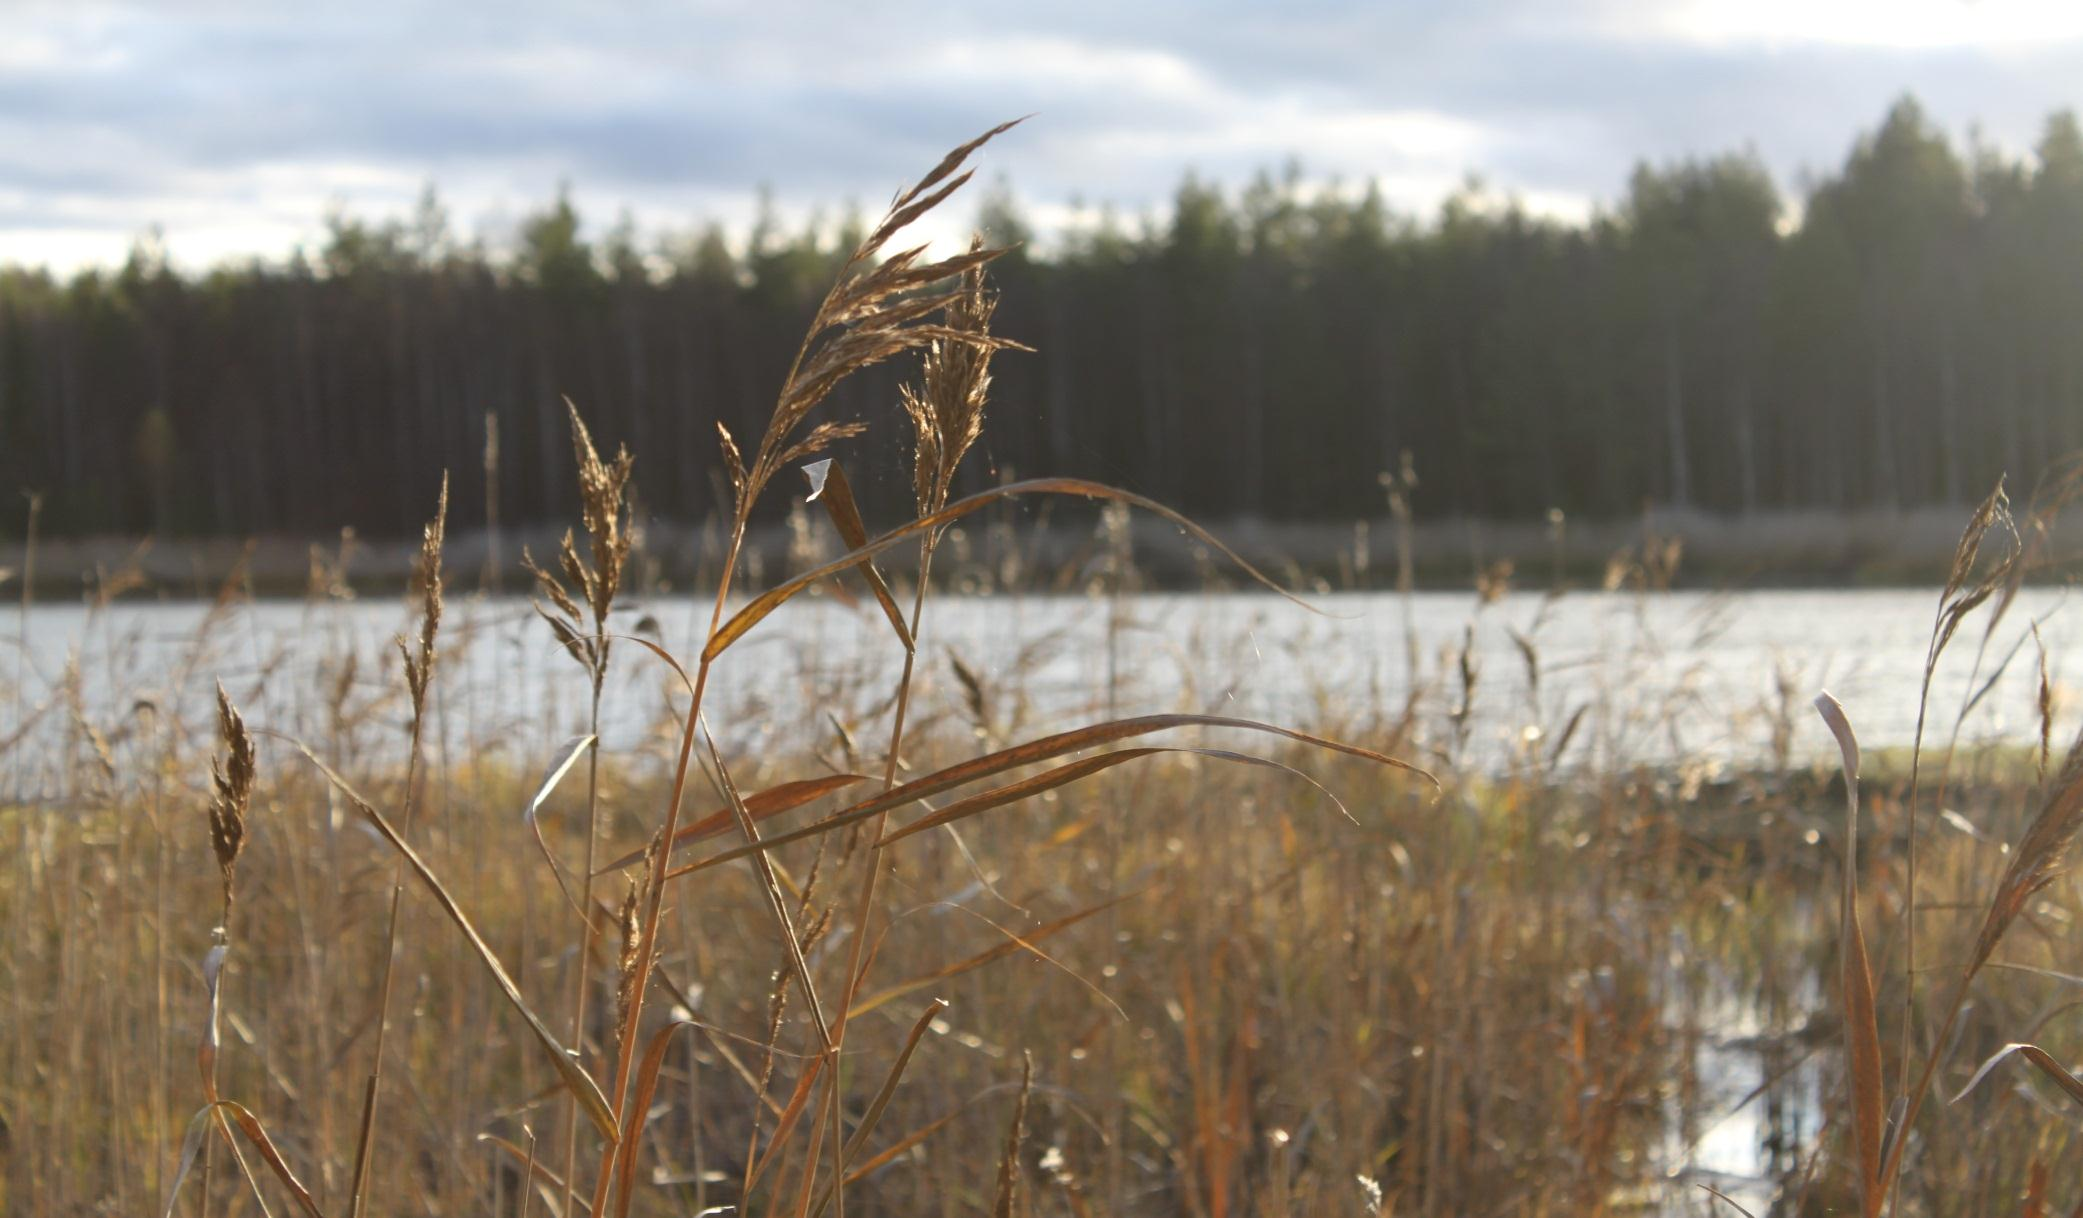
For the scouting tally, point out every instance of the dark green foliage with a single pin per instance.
(1908, 332)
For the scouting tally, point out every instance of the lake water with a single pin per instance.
(1655, 678)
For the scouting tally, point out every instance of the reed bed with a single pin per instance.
(345, 948)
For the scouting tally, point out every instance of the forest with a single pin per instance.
(1901, 331)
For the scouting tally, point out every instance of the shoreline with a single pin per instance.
(1777, 550)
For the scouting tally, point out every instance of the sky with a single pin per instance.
(232, 127)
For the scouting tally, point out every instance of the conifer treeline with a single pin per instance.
(1906, 330)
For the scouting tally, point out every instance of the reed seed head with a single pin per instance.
(947, 410)
(2040, 858)
(604, 508)
(628, 923)
(426, 572)
(232, 779)
(876, 309)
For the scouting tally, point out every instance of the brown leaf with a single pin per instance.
(1051, 779)
(215, 1113)
(828, 484)
(1034, 752)
(1861, 1018)
(761, 804)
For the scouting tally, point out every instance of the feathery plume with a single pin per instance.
(232, 778)
(947, 410)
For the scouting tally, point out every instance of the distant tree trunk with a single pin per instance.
(1886, 481)
(1674, 417)
(1154, 360)
(1058, 363)
(2013, 444)
(1249, 458)
(1746, 446)
(1949, 416)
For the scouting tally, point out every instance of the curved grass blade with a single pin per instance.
(575, 1079)
(1014, 944)
(876, 1106)
(2038, 1057)
(1727, 1200)
(1861, 1017)
(1034, 752)
(901, 1145)
(533, 1167)
(248, 1124)
(760, 606)
(761, 804)
(573, 750)
(1013, 792)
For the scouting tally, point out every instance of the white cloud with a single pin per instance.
(1887, 24)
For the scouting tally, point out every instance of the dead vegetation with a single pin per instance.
(1118, 968)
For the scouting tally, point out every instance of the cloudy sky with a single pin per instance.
(234, 126)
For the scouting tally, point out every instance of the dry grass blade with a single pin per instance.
(828, 483)
(905, 1143)
(1009, 1160)
(216, 1112)
(2039, 858)
(785, 1124)
(2038, 1057)
(206, 1063)
(575, 1079)
(1034, 752)
(1016, 791)
(646, 1087)
(1014, 944)
(772, 888)
(2044, 705)
(761, 805)
(1727, 1200)
(551, 777)
(1861, 1018)
(531, 1166)
(759, 607)
(873, 1115)
(206, 1049)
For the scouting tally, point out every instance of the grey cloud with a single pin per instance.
(660, 103)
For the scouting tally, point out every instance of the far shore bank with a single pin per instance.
(1662, 547)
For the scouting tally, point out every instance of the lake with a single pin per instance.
(1659, 678)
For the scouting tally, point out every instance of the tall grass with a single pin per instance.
(899, 959)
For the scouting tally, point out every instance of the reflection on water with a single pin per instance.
(1588, 680)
